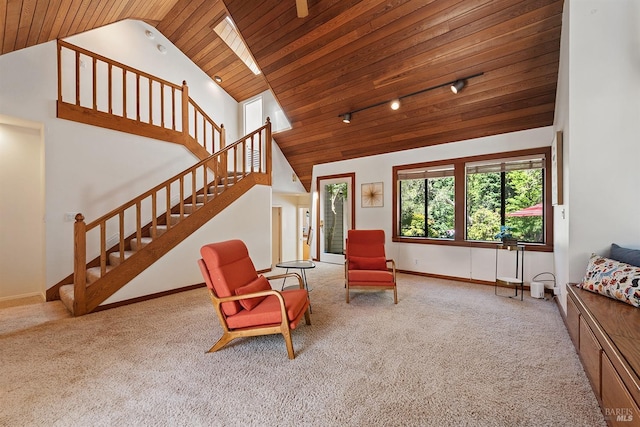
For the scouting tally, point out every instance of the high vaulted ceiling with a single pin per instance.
(347, 55)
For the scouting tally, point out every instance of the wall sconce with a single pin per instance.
(456, 86)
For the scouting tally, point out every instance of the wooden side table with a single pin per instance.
(509, 281)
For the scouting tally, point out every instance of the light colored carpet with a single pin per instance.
(448, 354)
(22, 317)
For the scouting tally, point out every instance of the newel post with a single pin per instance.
(267, 141)
(79, 266)
(222, 164)
(223, 137)
(185, 110)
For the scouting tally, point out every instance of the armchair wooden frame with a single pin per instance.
(393, 287)
(229, 334)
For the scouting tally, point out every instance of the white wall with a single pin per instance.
(600, 116)
(462, 262)
(562, 123)
(21, 209)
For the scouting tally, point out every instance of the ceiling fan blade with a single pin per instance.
(302, 8)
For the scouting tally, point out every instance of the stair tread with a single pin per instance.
(114, 257)
(97, 270)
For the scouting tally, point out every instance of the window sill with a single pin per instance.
(530, 247)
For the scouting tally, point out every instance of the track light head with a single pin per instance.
(395, 104)
(457, 86)
(346, 118)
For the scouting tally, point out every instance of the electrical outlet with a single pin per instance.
(415, 261)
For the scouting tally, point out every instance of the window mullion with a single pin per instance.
(503, 192)
(426, 207)
(460, 212)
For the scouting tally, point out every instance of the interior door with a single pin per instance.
(336, 216)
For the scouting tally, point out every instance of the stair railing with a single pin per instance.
(209, 178)
(102, 90)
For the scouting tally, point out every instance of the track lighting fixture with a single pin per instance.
(456, 86)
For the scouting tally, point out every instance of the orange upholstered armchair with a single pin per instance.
(366, 266)
(244, 302)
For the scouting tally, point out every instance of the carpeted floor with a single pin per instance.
(448, 354)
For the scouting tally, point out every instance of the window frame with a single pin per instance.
(460, 164)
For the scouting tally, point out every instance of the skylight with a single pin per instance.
(227, 31)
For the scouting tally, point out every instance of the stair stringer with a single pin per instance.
(110, 283)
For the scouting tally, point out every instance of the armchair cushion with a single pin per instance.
(257, 285)
(367, 263)
(268, 311)
(230, 267)
(369, 277)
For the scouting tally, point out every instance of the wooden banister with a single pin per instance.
(151, 118)
(185, 185)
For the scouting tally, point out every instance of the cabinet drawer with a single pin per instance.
(590, 352)
(573, 322)
(617, 404)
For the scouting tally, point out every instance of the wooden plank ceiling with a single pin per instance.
(347, 55)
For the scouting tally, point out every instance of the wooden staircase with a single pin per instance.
(150, 225)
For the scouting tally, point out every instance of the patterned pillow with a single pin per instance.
(613, 279)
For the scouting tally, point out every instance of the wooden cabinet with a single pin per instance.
(618, 405)
(606, 334)
(573, 322)
(590, 352)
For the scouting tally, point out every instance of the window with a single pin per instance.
(427, 202)
(465, 201)
(227, 31)
(253, 121)
(505, 193)
(253, 115)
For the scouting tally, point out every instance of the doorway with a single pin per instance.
(336, 215)
(22, 209)
(304, 228)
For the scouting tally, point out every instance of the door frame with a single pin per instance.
(276, 235)
(351, 177)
